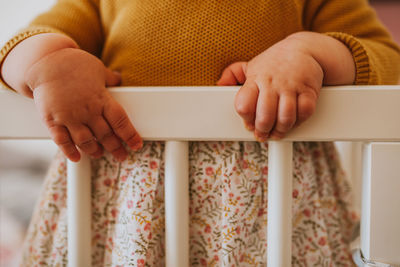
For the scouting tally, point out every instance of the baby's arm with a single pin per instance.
(282, 84)
(69, 89)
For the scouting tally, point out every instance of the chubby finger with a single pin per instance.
(106, 136)
(246, 103)
(306, 104)
(119, 122)
(84, 139)
(61, 137)
(266, 112)
(234, 74)
(287, 109)
(113, 78)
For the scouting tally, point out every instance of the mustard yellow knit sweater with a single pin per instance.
(178, 42)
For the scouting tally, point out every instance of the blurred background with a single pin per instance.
(23, 164)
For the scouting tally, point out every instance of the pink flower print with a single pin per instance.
(54, 227)
(153, 165)
(238, 230)
(107, 182)
(203, 262)
(216, 258)
(147, 226)
(253, 190)
(260, 212)
(245, 164)
(114, 213)
(241, 259)
(264, 170)
(140, 262)
(207, 229)
(307, 212)
(295, 193)
(209, 171)
(322, 241)
(123, 178)
(231, 195)
(55, 196)
(129, 204)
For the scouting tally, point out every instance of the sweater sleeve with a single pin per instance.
(78, 19)
(354, 22)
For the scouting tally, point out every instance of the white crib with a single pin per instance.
(181, 114)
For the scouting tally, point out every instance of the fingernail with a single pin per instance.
(249, 127)
(261, 138)
(75, 157)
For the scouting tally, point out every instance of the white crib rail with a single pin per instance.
(207, 113)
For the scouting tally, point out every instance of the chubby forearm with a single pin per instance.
(26, 54)
(334, 57)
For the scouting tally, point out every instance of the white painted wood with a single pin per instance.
(280, 177)
(79, 213)
(351, 159)
(179, 113)
(176, 203)
(380, 222)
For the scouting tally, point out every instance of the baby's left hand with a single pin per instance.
(280, 88)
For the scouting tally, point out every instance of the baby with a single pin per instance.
(281, 52)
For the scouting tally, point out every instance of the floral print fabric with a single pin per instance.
(228, 208)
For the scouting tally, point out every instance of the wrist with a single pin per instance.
(331, 54)
(48, 68)
(24, 55)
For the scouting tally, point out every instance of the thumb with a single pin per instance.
(113, 78)
(234, 74)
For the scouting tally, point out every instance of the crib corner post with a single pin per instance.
(280, 178)
(79, 213)
(380, 214)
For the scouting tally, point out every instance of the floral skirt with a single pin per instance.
(228, 208)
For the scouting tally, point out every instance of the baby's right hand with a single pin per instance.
(69, 90)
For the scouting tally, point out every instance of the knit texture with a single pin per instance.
(169, 42)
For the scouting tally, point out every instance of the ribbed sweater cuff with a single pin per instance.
(22, 35)
(360, 56)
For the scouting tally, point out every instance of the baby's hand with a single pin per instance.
(280, 88)
(69, 90)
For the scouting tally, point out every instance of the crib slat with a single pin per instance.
(279, 240)
(79, 213)
(177, 203)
